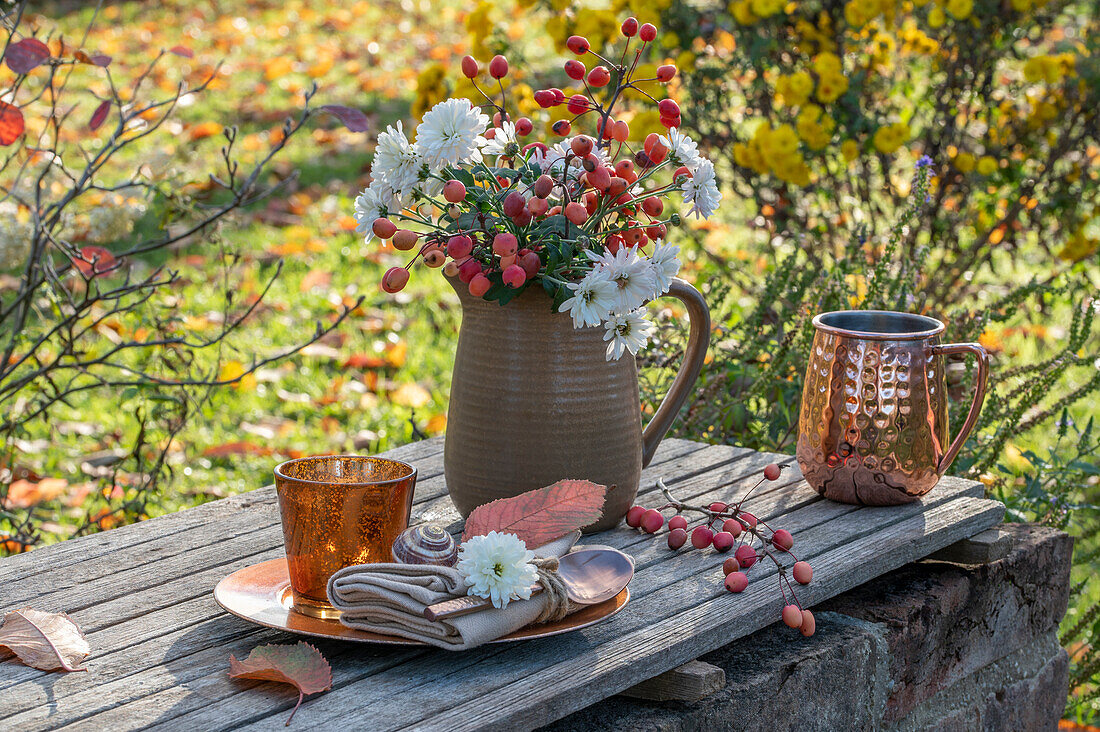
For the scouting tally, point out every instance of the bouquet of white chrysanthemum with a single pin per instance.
(575, 217)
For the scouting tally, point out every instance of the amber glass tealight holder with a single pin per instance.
(337, 511)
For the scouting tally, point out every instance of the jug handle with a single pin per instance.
(982, 357)
(684, 383)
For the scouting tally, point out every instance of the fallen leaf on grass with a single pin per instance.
(239, 447)
(26, 493)
(46, 641)
(301, 665)
(410, 395)
(541, 515)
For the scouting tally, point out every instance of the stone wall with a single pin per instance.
(931, 646)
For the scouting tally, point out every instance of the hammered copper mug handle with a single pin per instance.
(682, 385)
(982, 357)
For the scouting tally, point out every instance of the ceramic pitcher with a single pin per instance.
(534, 401)
(873, 426)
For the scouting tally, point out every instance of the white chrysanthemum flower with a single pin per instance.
(503, 136)
(377, 201)
(593, 298)
(451, 133)
(664, 263)
(631, 275)
(701, 190)
(682, 149)
(626, 332)
(497, 566)
(396, 162)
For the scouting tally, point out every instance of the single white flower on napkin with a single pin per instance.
(497, 566)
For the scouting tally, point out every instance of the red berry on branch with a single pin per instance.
(513, 204)
(546, 98)
(733, 526)
(468, 269)
(717, 506)
(748, 519)
(654, 207)
(578, 45)
(613, 243)
(600, 178)
(652, 521)
(460, 247)
(723, 541)
(792, 616)
(736, 581)
(581, 145)
(537, 206)
(543, 185)
(783, 540)
(730, 565)
(577, 103)
(677, 538)
(620, 131)
(395, 279)
(657, 232)
(809, 625)
(383, 228)
(665, 73)
(682, 173)
(678, 522)
(514, 276)
(454, 191)
(634, 516)
(576, 212)
(772, 471)
(562, 127)
(668, 108)
(670, 122)
(745, 556)
(470, 67)
(505, 244)
(531, 264)
(642, 160)
(498, 67)
(479, 285)
(648, 32)
(574, 69)
(434, 258)
(802, 572)
(616, 187)
(591, 202)
(701, 537)
(524, 127)
(630, 27)
(599, 77)
(404, 240)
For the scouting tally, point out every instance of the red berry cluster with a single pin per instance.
(606, 201)
(725, 528)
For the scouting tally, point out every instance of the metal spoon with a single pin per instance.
(590, 576)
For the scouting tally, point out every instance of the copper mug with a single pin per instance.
(873, 427)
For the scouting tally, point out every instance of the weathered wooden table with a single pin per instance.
(160, 645)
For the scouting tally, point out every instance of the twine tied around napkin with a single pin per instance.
(558, 604)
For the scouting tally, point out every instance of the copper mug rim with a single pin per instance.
(909, 326)
(410, 471)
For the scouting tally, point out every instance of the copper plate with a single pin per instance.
(261, 594)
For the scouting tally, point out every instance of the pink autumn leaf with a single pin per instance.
(99, 116)
(24, 55)
(182, 51)
(541, 515)
(352, 118)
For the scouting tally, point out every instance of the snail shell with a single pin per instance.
(425, 544)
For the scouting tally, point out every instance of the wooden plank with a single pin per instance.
(142, 605)
(432, 683)
(983, 548)
(567, 686)
(689, 682)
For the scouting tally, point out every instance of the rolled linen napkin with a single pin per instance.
(390, 599)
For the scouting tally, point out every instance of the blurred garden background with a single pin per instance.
(185, 300)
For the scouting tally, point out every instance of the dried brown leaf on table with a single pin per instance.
(300, 665)
(46, 641)
(541, 515)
